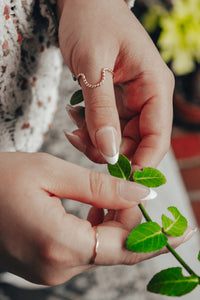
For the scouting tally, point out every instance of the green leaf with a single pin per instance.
(81, 112)
(147, 237)
(77, 98)
(199, 256)
(149, 177)
(174, 227)
(171, 282)
(121, 169)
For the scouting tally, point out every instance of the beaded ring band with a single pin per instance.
(96, 245)
(101, 82)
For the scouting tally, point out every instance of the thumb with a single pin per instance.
(100, 110)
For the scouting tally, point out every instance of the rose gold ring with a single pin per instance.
(96, 245)
(99, 83)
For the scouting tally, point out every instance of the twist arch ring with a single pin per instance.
(101, 82)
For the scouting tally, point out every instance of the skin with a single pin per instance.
(38, 239)
(93, 35)
(44, 244)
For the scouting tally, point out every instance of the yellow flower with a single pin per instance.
(179, 40)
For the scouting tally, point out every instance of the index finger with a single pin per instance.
(67, 180)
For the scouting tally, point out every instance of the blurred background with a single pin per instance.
(174, 26)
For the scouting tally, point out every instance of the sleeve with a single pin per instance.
(48, 11)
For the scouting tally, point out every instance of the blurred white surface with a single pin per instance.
(173, 193)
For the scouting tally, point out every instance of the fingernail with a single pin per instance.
(75, 116)
(189, 234)
(134, 192)
(108, 143)
(75, 141)
(152, 195)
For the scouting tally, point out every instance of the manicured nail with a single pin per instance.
(189, 234)
(134, 192)
(108, 143)
(75, 141)
(75, 117)
(152, 195)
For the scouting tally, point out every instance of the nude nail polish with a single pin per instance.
(152, 195)
(135, 192)
(108, 143)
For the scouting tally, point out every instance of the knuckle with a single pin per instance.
(95, 184)
(102, 108)
(101, 102)
(55, 261)
(50, 262)
(50, 253)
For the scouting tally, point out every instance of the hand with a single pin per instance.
(39, 240)
(138, 109)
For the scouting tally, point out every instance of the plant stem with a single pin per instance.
(144, 212)
(181, 261)
(169, 247)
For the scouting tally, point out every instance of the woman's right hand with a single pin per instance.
(42, 243)
(134, 106)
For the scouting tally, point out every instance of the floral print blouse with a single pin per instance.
(30, 68)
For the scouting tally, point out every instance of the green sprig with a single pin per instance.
(149, 236)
